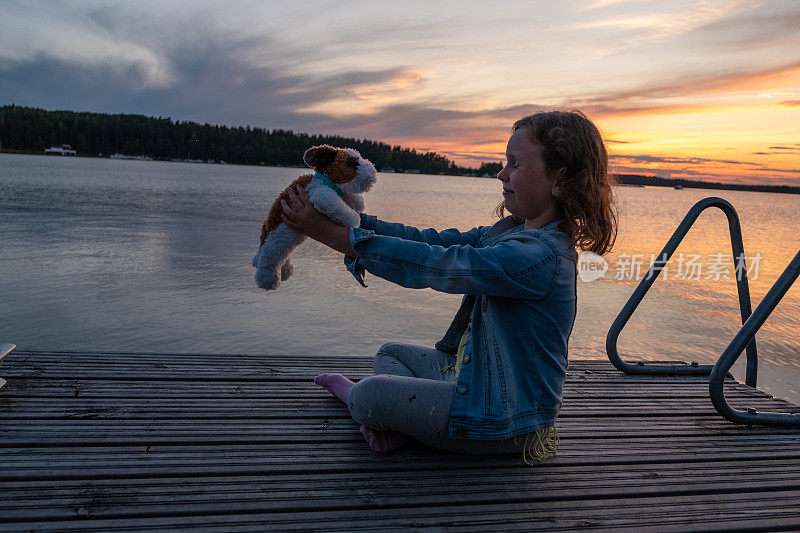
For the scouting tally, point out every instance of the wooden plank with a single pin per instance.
(603, 424)
(263, 369)
(311, 491)
(191, 366)
(353, 455)
(267, 408)
(125, 388)
(766, 511)
(91, 433)
(295, 360)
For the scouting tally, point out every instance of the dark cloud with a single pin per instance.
(780, 150)
(678, 160)
(694, 167)
(757, 27)
(395, 121)
(49, 83)
(763, 176)
(472, 156)
(791, 103)
(220, 76)
(212, 83)
(421, 121)
(106, 17)
(792, 172)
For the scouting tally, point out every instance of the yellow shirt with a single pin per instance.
(456, 365)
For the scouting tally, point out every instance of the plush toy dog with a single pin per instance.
(335, 190)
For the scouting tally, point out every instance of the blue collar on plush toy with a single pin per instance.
(328, 183)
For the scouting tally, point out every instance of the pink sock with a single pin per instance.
(336, 384)
(384, 441)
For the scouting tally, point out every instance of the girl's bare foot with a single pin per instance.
(384, 441)
(336, 384)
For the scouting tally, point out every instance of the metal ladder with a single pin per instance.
(4, 350)
(746, 334)
(751, 323)
(680, 367)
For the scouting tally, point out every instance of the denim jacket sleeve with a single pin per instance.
(521, 265)
(447, 237)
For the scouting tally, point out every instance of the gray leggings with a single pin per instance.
(411, 394)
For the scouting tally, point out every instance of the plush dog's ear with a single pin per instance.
(352, 162)
(319, 157)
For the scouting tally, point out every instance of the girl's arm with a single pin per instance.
(448, 237)
(522, 267)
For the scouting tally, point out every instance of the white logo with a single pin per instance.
(591, 266)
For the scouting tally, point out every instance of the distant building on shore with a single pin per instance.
(134, 157)
(64, 149)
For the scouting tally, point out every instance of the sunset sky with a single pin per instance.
(702, 90)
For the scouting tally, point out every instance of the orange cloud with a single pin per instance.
(656, 98)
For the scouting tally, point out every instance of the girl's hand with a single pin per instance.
(299, 214)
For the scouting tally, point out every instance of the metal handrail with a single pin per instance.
(680, 367)
(4, 350)
(751, 416)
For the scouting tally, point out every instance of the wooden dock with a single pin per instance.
(123, 441)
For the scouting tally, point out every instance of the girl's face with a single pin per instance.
(527, 190)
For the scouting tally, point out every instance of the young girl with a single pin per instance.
(499, 371)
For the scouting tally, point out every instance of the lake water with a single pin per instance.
(99, 254)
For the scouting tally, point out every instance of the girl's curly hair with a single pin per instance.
(573, 150)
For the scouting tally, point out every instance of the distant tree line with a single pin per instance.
(635, 179)
(31, 130)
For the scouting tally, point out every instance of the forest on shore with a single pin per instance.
(32, 130)
(636, 179)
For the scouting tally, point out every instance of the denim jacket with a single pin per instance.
(519, 286)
